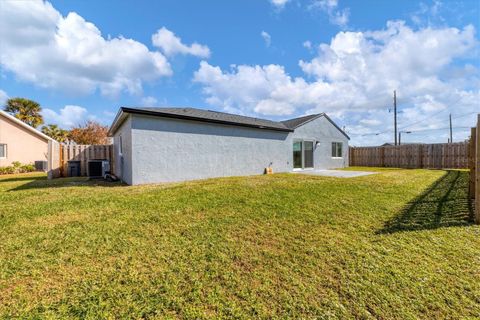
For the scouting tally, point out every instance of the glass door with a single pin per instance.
(297, 155)
(303, 154)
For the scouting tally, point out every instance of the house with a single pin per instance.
(20, 142)
(176, 144)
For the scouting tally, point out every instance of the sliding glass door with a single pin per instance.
(303, 154)
(297, 155)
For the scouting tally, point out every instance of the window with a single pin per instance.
(120, 148)
(336, 149)
(3, 150)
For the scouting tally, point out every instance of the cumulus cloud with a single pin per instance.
(267, 38)
(353, 78)
(171, 45)
(330, 7)
(247, 89)
(41, 46)
(68, 117)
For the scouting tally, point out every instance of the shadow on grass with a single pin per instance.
(22, 178)
(43, 182)
(444, 204)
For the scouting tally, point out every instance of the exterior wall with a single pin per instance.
(22, 145)
(325, 132)
(123, 160)
(176, 150)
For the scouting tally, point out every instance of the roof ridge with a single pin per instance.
(196, 114)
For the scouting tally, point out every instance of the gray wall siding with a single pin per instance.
(176, 150)
(324, 131)
(123, 163)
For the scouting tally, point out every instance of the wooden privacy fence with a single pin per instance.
(474, 165)
(432, 156)
(60, 154)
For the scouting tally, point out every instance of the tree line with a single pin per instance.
(29, 111)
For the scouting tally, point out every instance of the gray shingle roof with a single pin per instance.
(297, 122)
(219, 117)
(210, 116)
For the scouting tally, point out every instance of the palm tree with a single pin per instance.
(25, 110)
(56, 133)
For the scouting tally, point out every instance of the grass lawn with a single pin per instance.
(396, 245)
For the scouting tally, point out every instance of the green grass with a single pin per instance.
(396, 245)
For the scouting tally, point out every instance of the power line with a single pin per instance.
(446, 128)
(433, 115)
(417, 122)
(411, 131)
(464, 115)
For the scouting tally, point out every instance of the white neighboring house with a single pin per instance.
(20, 142)
(154, 145)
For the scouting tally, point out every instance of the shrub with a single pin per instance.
(27, 168)
(17, 167)
(16, 164)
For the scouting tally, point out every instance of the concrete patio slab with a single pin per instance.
(336, 173)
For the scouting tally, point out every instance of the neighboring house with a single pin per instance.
(20, 142)
(176, 144)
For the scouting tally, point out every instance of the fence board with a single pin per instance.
(434, 156)
(60, 154)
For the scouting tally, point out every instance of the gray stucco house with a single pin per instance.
(154, 145)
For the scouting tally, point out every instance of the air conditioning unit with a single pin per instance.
(41, 166)
(98, 168)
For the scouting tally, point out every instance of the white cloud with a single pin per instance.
(41, 46)
(267, 38)
(171, 45)
(247, 89)
(3, 97)
(330, 7)
(307, 44)
(353, 77)
(279, 4)
(67, 117)
(149, 101)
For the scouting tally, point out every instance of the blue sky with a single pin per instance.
(272, 59)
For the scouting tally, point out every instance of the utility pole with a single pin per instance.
(395, 114)
(451, 137)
